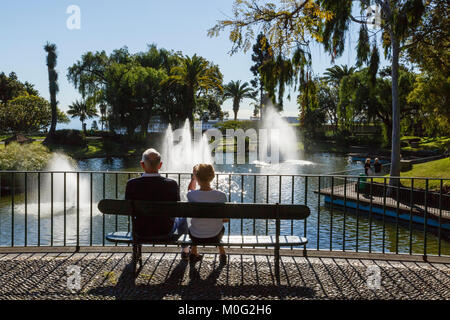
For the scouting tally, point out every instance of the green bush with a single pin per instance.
(26, 157)
(70, 137)
(235, 124)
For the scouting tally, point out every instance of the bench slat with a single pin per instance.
(256, 241)
(201, 210)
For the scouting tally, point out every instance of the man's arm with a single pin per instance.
(178, 192)
(128, 190)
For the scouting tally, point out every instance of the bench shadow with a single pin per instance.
(197, 288)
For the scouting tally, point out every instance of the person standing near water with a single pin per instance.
(377, 167)
(205, 230)
(367, 168)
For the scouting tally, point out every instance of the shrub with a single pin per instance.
(235, 124)
(26, 157)
(69, 137)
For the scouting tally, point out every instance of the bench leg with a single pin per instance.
(277, 265)
(134, 260)
(140, 255)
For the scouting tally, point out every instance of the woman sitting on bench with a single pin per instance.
(204, 231)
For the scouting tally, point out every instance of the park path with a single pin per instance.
(165, 276)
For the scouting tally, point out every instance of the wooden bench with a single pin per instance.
(202, 210)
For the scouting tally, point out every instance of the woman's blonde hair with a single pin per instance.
(204, 172)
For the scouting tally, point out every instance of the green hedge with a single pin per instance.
(235, 124)
(69, 137)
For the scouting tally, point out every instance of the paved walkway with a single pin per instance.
(165, 276)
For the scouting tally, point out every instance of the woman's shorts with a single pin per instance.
(215, 239)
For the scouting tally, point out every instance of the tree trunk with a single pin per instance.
(261, 106)
(235, 108)
(52, 130)
(395, 151)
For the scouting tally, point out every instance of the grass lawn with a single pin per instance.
(97, 149)
(5, 136)
(432, 169)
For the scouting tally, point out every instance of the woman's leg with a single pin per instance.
(221, 250)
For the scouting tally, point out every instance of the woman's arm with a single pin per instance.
(193, 184)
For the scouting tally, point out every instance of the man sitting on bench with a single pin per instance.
(152, 187)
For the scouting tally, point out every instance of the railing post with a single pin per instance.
(13, 190)
(384, 215)
(65, 208)
(39, 210)
(26, 210)
(51, 210)
(425, 222)
(411, 214)
(254, 201)
(78, 213)
(318, 214)
(357, 214)
(345, 213)
(277, 245)
(370, 215)
(103, 216)
(331, 213)
(305, 221)
(440, 219)
(90, 208)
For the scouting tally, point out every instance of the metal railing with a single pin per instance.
(348, 213)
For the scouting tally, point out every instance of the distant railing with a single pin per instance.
(348, 213)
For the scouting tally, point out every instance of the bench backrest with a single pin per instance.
(202, 209)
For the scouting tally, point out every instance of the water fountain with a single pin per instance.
(279, 139)
(277, 145)
(180, 152)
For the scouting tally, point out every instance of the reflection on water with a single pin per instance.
(321, 226)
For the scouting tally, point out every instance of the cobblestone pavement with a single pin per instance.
(166, 276)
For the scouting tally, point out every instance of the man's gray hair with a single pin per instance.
(151, 158)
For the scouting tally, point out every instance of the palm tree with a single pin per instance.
(238, 91)
(82, 110)
(53, 86)
(335, 74)
(194, 74)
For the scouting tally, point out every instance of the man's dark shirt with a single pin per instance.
(377, 166)
(366, 168)
(152, 188)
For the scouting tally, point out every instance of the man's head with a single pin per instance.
(151, 161)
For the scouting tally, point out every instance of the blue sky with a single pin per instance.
(25, 26)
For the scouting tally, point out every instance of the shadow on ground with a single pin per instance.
(193, 286)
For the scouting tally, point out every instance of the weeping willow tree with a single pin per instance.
(397, 21)
(291, 25)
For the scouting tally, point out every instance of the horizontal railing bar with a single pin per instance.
(238, 174)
